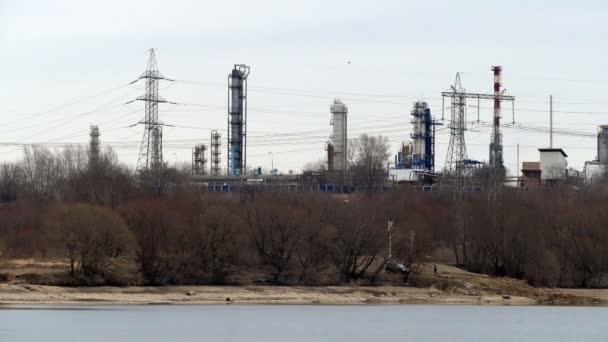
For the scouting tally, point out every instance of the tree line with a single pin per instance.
(112, 228)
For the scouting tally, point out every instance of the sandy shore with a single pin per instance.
(14, 294)
(36, 294)
(452, 286)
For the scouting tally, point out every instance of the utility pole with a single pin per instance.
(390, 239)
(517, 167)
(271, 163)
(412, 239)
(550, 121)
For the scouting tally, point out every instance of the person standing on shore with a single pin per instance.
(435, 269)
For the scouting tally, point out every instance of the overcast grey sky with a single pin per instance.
(54, 54)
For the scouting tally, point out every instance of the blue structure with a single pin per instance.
(423, 150)
(237, 120)
(403, 158)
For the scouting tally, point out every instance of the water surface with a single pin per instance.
(310, 323)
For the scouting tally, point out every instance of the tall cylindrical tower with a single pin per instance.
(422, 137)
(339, 135)
(496, 140)
(237, 119)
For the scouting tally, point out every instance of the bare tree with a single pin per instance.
(275, 229)
(316, 165)
(217, 246)
(93, 236)
(11, 181)
(359, 238)
(369, 160)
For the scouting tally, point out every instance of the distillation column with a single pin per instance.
(422, 137)
(339, 142)
(237, 120)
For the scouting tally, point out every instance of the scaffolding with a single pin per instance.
(199, 161)
(216, 143)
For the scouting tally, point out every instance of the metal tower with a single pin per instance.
(216, 142)
(456, 160)
(151, 151)
(237, 120)
(94, 147)
(457, 150)
(199, 162)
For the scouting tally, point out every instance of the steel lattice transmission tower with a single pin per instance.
(456, 161)
(151, 150)
(457, 150)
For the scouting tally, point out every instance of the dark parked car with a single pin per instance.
(395, 268)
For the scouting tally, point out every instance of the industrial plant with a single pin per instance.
(414, 164)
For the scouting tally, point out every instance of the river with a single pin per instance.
(310, 323)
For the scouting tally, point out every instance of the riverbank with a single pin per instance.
(451, 286)
(22, 294)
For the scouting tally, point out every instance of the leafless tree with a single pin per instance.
(360, 237)
(93, 236)
(218, 244)
(275, 229)
(370, 155)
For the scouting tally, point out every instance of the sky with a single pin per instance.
(66, 65)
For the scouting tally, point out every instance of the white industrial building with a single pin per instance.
(553, 164)
(403, 175)
(594, 171)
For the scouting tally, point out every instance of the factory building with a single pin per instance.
(530, 175)
(552, 168)
(553, 164)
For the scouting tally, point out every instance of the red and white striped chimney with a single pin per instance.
(497, 75)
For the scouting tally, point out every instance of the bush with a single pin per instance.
(93, 236)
